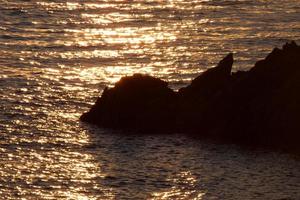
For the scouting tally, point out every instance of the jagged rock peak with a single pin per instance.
(226, 63)
(222, 70)
(288, 49)
(288, 46)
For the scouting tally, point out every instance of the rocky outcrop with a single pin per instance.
(195, 101)
(136, 102)
(260, 106)
(211, 81)
(263, 105)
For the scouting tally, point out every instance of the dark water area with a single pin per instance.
(57, 56)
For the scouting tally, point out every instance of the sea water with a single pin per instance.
(57, 56)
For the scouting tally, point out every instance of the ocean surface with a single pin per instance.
(57, 56)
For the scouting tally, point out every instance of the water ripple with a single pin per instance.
(56, 57)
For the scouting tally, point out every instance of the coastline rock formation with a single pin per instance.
(136, 102)
(258, 107)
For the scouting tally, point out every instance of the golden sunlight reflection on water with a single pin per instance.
(149, 45)
(44, 172)
(56, 57)
(183, 181)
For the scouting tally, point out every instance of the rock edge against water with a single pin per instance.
(260, 106)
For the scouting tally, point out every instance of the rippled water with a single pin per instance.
(56, 57)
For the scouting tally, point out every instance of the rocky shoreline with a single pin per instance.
(257, 107)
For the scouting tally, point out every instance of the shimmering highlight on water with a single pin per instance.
(56, 57)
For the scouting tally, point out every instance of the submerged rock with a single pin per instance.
(259, 106)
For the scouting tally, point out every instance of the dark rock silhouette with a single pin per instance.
(195, 100)
(210, 81)
(138, 102)
(258, 107)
